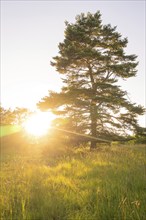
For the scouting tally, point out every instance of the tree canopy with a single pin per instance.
(91, 60)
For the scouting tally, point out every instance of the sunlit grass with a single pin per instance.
(73, 184)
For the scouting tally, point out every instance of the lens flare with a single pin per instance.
(39, 123)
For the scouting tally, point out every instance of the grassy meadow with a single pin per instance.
(47, 181)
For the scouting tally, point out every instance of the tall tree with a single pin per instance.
(91, 60)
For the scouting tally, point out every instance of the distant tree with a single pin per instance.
(91, 60)
(6, 116)
(20, 115)
(16, 116)
(140, 137)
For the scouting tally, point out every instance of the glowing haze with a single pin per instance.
(31, 32)
(39, 123)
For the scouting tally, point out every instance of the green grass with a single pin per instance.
(50, 182)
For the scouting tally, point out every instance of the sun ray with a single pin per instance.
(39, 123)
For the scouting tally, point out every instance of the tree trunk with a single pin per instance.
(93, 144)
(93, 115)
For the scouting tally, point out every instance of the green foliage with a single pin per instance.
(91, 60)
(140, 137)
(37, 183)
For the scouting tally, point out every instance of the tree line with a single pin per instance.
(16, 116)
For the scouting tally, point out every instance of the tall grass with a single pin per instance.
(60, 183)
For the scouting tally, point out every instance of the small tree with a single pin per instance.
(91, 60)
(6, 116)
(140, 137)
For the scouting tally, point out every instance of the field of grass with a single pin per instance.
(46, 181)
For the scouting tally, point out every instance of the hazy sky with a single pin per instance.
(31, 32)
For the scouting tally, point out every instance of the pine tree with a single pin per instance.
(91, 60)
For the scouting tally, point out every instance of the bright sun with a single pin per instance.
(39, 123)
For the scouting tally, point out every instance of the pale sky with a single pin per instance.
(31, 32)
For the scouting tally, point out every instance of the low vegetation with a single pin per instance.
(47, 181)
